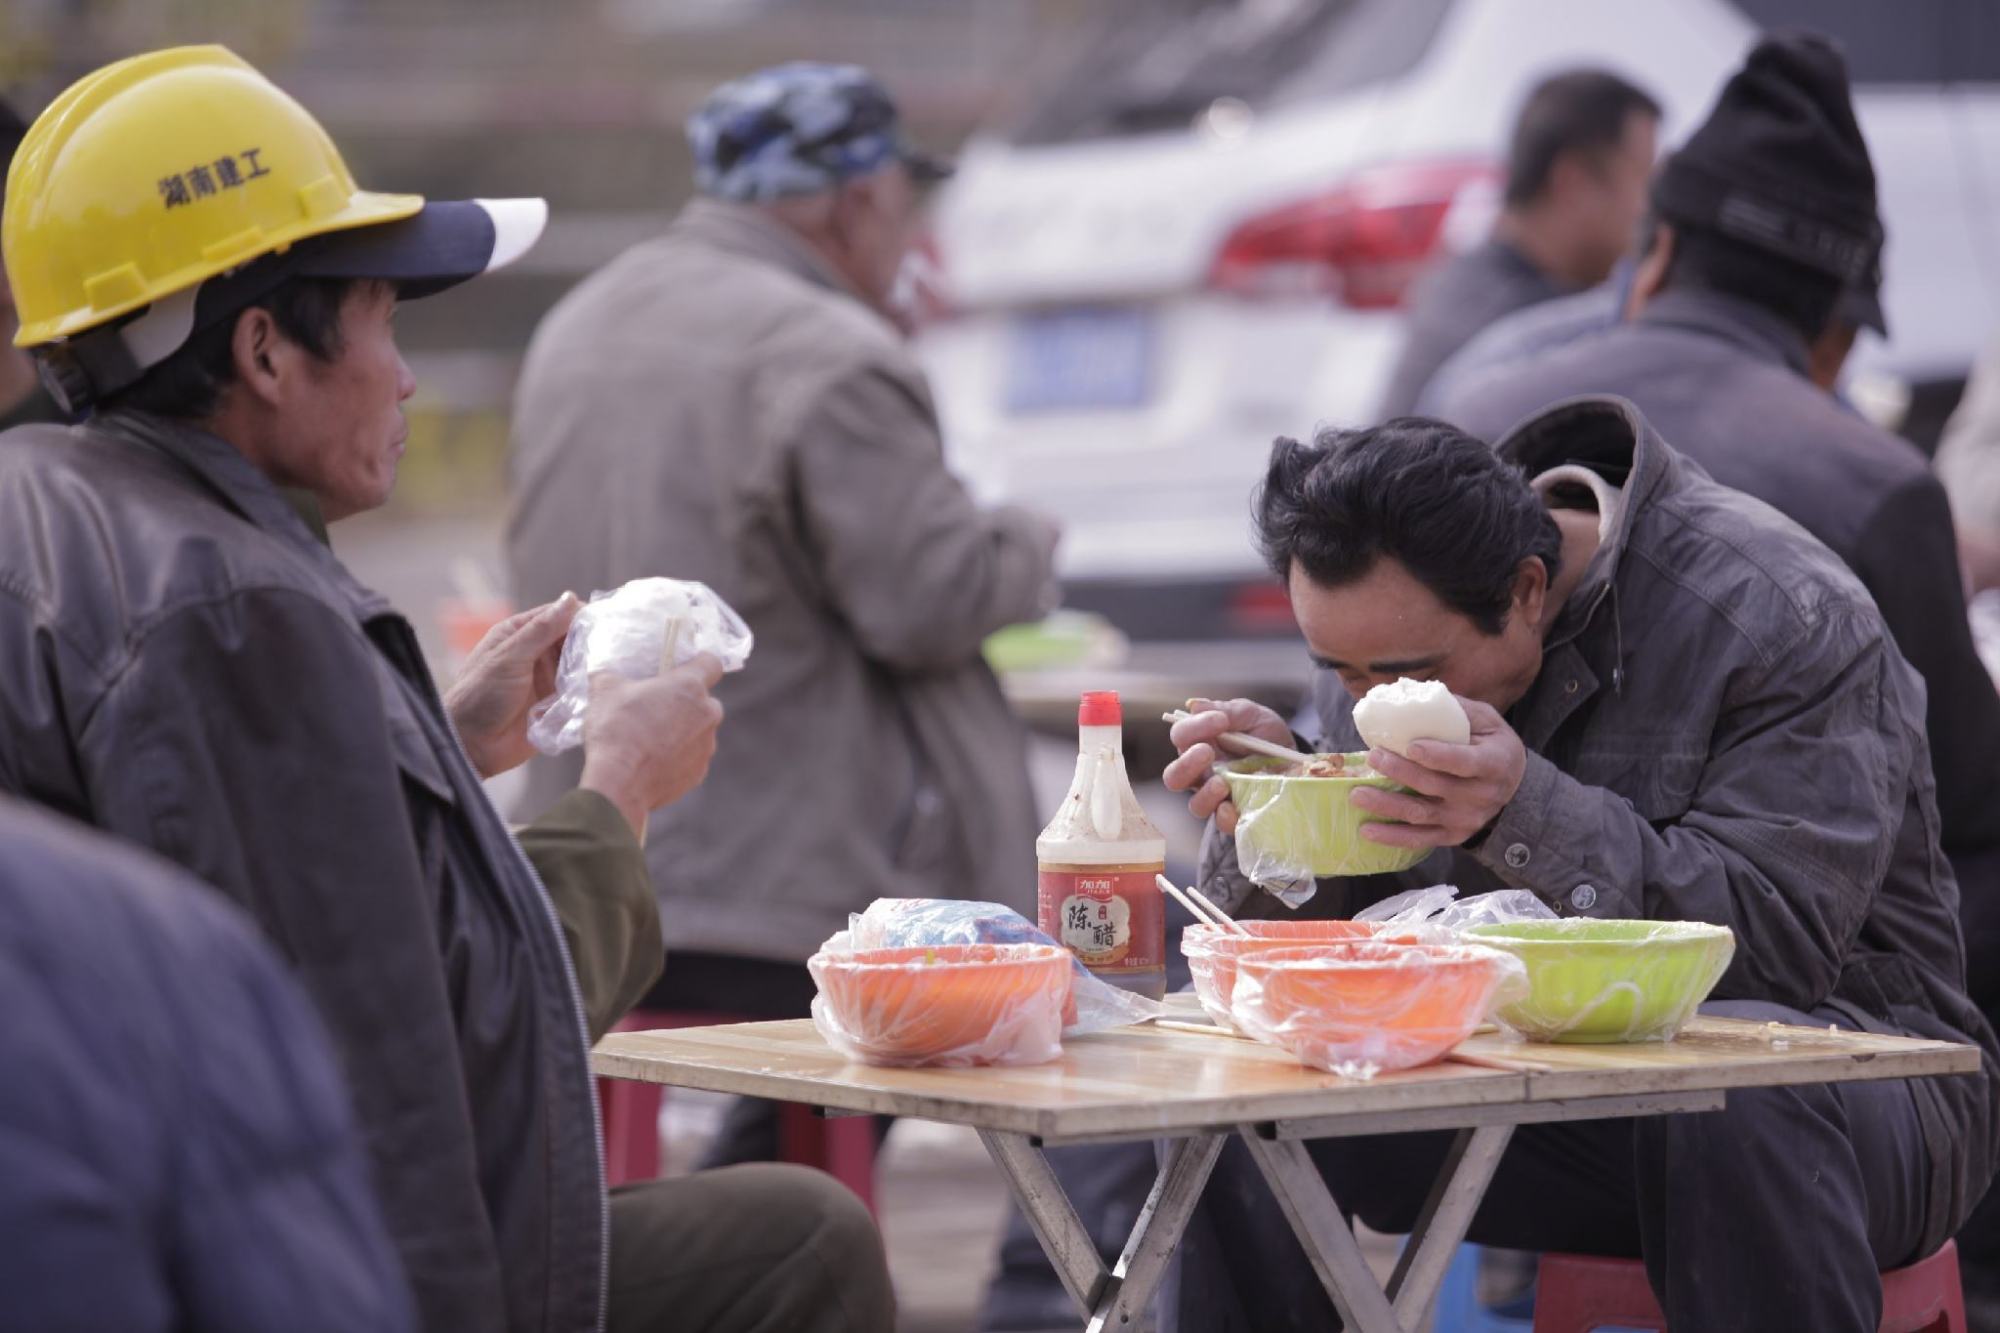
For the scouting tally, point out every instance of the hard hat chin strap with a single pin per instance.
(81, 371)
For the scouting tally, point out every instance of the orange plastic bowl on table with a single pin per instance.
(1369, 1005)
(1212, 951)
(945, 1004)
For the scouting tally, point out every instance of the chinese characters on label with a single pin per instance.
(206, 178)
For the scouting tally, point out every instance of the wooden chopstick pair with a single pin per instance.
(1203, 910)
(1238, 740)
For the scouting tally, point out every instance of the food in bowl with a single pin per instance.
(1394, 715)
(1363, 1006)
(1291, 828)
(1606, 980)
(943, 1004)
(1212, 952)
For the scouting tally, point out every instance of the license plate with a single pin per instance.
(1080, 359)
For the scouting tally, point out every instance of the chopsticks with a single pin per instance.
(1202, 908)
(1243, 741)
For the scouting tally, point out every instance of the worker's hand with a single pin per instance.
(1455, 790)
(513, 667)
(647, 743)
(1195, 737)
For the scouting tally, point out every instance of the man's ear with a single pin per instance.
(262, 355)
(1650, 278)
(1531, 589)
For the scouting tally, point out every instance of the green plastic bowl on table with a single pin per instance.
(1595, 980)
(1308, 823)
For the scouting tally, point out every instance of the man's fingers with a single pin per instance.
(1203, 726)
(1409, 835)
(1454, 761)
(1415, 776)
(1189, 771)
(706, 667)
(1396, 805)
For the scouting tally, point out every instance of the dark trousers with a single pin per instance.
(753, 1249)
(748, 988)
(1776, 1212)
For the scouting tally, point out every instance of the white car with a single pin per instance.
(1200, 238)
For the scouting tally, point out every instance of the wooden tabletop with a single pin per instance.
(1144, 1081)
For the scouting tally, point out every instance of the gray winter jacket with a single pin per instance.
(1723, 731)
(714, 405)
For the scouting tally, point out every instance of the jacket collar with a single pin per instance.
(222, 470)
(755, 234)
(1751, 328)
(1608, 436)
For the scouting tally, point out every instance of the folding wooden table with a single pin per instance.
(1194, 1090)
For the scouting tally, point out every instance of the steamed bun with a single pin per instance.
(1390, 717)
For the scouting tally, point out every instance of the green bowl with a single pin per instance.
(1289, 825)
(1592, 980)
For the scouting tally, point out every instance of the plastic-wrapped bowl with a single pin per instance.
(1368, 1005)
(945, 1004)
(1293, 826)
(1212, 951)
(1595, 980)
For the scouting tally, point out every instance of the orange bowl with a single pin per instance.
(1212, 952)
(1368, 1005)
(948, 1004)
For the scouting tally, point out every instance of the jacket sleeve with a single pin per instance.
(1908, 557)
(595, 873)
(921, 573)
(1787, 833)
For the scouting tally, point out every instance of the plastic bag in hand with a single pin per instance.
(893, 922)
(642, 629)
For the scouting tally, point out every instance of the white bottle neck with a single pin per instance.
(1093, 740)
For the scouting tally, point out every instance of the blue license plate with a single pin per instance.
(1080, 359)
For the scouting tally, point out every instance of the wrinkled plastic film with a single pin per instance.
(1361, 1009)
(639, 630)
(949, 1005)
(900, 922)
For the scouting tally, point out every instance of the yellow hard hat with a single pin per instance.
(150, 177)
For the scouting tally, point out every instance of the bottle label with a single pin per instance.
(1112, 921)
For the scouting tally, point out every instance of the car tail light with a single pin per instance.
(1362, 243)
(1261, 608)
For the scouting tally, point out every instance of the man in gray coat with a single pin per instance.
(732, 402)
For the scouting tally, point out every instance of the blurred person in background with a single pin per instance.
(1577, 166)
(1968, 463)
(184, 663)
(175, 1138)
(1764, 258)
(22, 397)
(733, 402)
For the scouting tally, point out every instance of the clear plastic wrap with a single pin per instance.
(1212, 951)
(901, 922)
(1593, 979)
(1439, 910)
(945, 1004)
(1291, 830)
(1357, 1009)
(638, 631)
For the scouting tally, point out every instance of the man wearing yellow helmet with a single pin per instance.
(184, 663)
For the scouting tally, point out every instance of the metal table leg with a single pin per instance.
(1114, 1298)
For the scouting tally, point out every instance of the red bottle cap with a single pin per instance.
(1100, 709)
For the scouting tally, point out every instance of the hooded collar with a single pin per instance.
(1743, 324)
(221, 469)
(1608, 436)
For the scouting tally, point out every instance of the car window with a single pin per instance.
(1151, 65)
(1905, 42)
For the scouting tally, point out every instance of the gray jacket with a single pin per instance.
(1451, 305)
(1725, 383)
(183, 664)
(1722, 731)
(713, 405)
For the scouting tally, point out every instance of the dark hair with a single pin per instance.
(1705, 260)
(1582, 111)
(189, 383)
(1414, 490)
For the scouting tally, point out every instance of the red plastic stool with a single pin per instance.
(1576, 1293)
(841, 1146)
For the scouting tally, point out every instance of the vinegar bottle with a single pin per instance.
(1097, 860)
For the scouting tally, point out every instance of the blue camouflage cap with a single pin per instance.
(798, 129)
